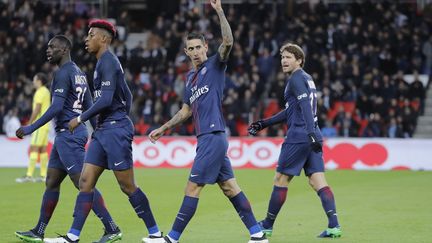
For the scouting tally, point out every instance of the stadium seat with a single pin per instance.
(141, 127)
(242, 128)
(272, 108)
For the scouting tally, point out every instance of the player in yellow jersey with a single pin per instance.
(39, 139)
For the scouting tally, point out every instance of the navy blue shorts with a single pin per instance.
(297, 156)
(111, 148)
(211, 163)
(68, 151)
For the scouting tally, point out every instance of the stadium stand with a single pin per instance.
(358, 54)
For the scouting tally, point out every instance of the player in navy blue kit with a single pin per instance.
(202, 99)
(302, 148)
(70, 97)
(111, 143)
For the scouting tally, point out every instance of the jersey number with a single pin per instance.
(312, 98)
(80, 97)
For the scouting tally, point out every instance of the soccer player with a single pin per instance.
(302, 147)
(202, 99)
(39, 139)
(111, 144)
(70, 96)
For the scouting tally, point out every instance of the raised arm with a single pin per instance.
(227, 36)
(182, 115)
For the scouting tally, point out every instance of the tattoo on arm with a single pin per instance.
(181, 116)
(227, 37)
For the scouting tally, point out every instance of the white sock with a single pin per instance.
(72, 236)
(157, 234)
(258, 235)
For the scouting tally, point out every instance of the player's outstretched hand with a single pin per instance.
(73, 124)
(20, 133)
(156, 134)
(216, 4)
(315, 144)
(255, 127)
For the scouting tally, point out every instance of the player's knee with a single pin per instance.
(75, 180)
(314, 185)
(281, 180)
(84, 185)
(52, 185)
(193, 189)
(230, 190)
(311, 183)
(127, 188)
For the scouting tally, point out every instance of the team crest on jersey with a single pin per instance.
(204, 70)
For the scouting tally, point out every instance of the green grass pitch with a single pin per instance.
(372, 206)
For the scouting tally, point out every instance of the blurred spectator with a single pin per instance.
(349, 127)
(357, 54)
(328, 131)
(11, 122)
(395, 129)
(374, 127)
(427, 52)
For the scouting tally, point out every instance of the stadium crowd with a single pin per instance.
(357, 53)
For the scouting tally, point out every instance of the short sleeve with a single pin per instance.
(186, 95)
(61, 84)
(187, 92)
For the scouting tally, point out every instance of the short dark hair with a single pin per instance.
(295, 50)
(42, 77)
(64, 41)
(103, 24)
(195, 35)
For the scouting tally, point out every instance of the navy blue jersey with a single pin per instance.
(69, 83)
(300, 87)
(109, 76)
(204, 94)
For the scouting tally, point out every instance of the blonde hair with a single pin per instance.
(295, 50)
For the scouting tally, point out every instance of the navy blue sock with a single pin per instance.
(277, 199)
(244, 209)
(328, 203)
(102, 212)
(141, 205)
(49, 202)
(185, 214)
(83, 205)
